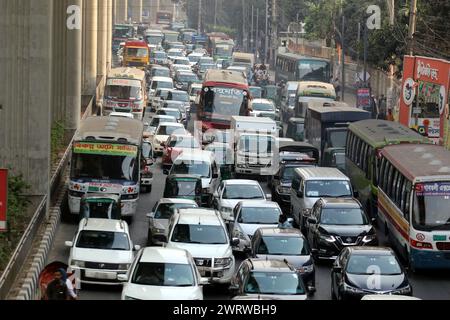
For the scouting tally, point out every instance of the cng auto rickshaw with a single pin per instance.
(98, 205)
(185, 186)
(335, 158)
(296, 129)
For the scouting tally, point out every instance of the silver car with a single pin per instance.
(160, 216)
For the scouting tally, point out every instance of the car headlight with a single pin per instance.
(226, 210)
(283, 190)
(369, 238)
(124, 266)
(222, 262)
(158, 230)
(306, 268)
(352, 289)
(239, 234)
(327, 238)
(403, 291)
(130, 298)
(78, 263)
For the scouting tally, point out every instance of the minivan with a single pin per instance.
(309, 184)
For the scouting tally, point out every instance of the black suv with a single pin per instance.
(336, 223)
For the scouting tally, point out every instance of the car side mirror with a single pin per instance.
(137, 247)
(122, 277)
(269, 197)
(300, 194)
(312, 220)
(68, 244)
(150, 215)
(235, 242)
(166, 172)
(355, 194)
(203, 281)
(314, 250)
(215, 176)
(337, 269)
(290, 220)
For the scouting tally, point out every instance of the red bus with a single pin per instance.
(224, 94)
(164, 17)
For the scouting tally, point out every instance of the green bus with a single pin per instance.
(365, 140)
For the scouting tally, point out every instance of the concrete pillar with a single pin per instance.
(102, 36)
(25, 92)
(90, 47)
(136, 10)
(109, 27)
(72, 72)
(121, 11)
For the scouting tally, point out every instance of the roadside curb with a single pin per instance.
(30, 287)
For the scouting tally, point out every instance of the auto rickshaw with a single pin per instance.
(185, 186)
(296, 129)
(99, 205)
(47, 275)
(335, 158)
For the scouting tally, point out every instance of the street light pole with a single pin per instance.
(199, 25)
(215, 14)
(251, 32)
(343, 58)
(266, 31)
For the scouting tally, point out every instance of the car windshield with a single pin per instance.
(283, 245)
(244, 192)
(162, 93)
(343, 216)
(123, 92)
(180, 96)
(256, 92)
(338, 139)
(137, 52)
(154, 39)
(263, 107)
(194, 58)
(182, 62)
(199, 168)
(162, 85)
(104, 240)
(104, 167)
(314, 70)
(187, 77)
(160, 72)
(174, 113)
(259, 215)
(155, 121)
(168, 130)
(163, 274)
(197, 233)
(328, 188)
(208, 66)
(166, 210)
(276, 283)
(160, 55)
(288, 173)
(175, 53)
(384, 264)
(184, 142)
(430, 207)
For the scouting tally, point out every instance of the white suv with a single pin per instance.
(100, 250)
(162, 274)
(205, 236)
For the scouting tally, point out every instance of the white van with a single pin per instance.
(201, 163)
(160, 83)
(309, 184)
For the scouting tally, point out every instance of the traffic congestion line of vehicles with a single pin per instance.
(337, 178)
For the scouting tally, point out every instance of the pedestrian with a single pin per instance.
(336, 85)
(71, 295)
(283, 222)
(57, 288)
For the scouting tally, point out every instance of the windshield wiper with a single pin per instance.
(184, 285)
(254, 197)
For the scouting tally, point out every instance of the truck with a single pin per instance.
(255, 145)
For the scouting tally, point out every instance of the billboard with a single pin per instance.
(3, 198)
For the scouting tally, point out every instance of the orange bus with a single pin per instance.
(136, 54)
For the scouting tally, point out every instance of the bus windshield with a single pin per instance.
(223, 103)
(137, 52)
(154, 39)
(430, 210)
(338, 139)
(105, 167)
(313, 70)
(123, 92)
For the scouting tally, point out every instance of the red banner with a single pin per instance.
(3, 198)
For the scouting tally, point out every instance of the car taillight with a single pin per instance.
(421, 245)
(137, 107)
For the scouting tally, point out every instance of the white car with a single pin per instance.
(122, 114)
(172, 54)
(205, 236)
(160, 216)
(160, 83)
(258, 106)
(151, 126)
(163, 132)
(194, 58)
(101, 250)
(231, 192)
(163, 274)
(250, 216)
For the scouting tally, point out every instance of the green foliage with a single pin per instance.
(229, 31)
(57, 139)
(17, 217)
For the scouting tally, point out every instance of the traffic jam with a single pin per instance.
(206, 176)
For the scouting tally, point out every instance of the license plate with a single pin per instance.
(101, 275)
(439, 237)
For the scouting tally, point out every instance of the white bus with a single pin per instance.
(414, 202)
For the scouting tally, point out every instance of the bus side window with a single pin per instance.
(398, 190)
(354, 154)
(406, 195)
(347, 144)
(365, 159)
(384, 177)
(393, 192)
(389, 177)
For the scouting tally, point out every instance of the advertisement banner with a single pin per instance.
(108, 149)
(3, 199)
(363, 99)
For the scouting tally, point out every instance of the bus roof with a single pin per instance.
(419, 160)
(136, 43)
(338, 113)
(297, 56)
(111, 129)
(129, 73)
(225, 76)
(378, 133)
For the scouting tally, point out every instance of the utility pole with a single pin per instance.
(365, 57)
(391, 4)
(412, 27)
(266, 31)
(252, 45)
(257, 32)
(215, 14)
(199, 24)
(343, 58)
